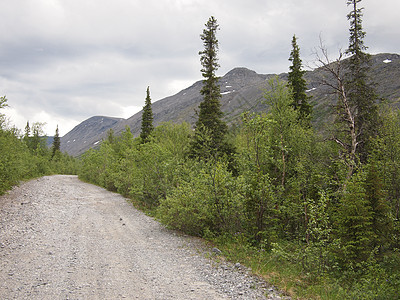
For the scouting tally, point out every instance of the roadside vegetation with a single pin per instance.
(26, 155)
(287, 209)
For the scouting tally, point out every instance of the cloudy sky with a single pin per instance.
(63, 61)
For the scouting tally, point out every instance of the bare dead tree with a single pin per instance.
(348, 136)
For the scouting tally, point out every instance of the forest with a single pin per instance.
(315, 212)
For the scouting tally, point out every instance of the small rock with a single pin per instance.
(216, 251)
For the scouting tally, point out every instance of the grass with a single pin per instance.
(289, 277)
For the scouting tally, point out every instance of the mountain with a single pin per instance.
(87, 134)
(242, 90)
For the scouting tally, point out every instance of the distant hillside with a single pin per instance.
(242, 90)
(87, 134)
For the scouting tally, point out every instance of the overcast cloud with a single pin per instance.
(63, 61)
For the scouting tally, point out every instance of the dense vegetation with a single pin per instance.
(147, 118)
(209, 140)
(289, 199)
(27, 156)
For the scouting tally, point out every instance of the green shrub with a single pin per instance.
(207, 202)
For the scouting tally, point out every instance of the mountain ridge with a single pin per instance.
(242, 90)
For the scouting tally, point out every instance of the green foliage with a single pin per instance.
(385, 160)
(207, 203)
(284, 127)
(289, 202)
(356, 39)
(174, 138)
(158, 164)
(14, 157)
(316, 257)
(62, 163)
(28, 157)
(381, 218)
(90, 169)
(359, 89)
(145, 172)
(147, 119)
(3, 104)
(209, 140)
(353, 222)
(254, 160)
(298, 85)
(37, 142)
(56, 144)
(209, 61)
(154, 173)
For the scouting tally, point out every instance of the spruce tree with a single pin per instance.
(298, 85)
(210, 129)
(147, 119)
(353, 222)
(27, 134)
(361, 94)
(37, 141)
(375, 195)
(56, 143)
(27, 130)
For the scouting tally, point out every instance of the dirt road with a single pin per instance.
(61, 238)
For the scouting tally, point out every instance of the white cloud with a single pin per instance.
(129, 111)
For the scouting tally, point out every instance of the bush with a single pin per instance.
(14, 160)
(207, 202)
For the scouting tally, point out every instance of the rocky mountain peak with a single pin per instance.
(241, 77)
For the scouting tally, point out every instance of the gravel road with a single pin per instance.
(61, 238)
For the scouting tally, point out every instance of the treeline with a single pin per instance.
(26, 156)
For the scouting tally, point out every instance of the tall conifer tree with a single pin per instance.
(210, 130)
(147, 118)
(298, 85)
(27, 130)
(361, 94)
(27, 134)
(56, 143)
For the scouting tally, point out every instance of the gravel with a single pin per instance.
(61, 238)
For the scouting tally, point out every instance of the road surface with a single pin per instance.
(61, 238)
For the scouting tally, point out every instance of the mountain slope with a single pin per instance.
(242, 90)
(87, 134)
